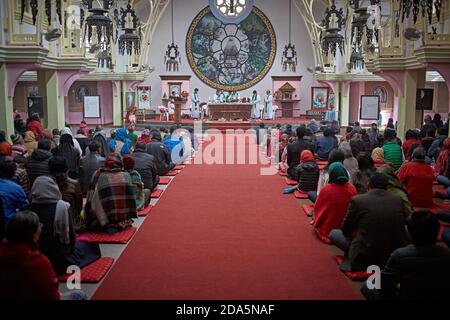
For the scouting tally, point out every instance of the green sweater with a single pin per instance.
(393, 153)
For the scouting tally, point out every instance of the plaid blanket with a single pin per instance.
(111, 199)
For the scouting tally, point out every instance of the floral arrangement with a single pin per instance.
(185, 94)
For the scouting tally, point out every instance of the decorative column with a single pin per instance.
(117, 103)
(6, 101)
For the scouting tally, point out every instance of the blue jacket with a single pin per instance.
(324, 145)
(172, 145)
(13, 197)
(435, 145)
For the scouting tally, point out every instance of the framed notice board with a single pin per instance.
(370, 108)
(92, 107)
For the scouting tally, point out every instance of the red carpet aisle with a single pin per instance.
(225, 232)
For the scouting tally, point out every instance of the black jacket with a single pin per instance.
(421, 272)
(308, 176)
(37, 164)
(145, 164)
(293, 155)
(162, 156)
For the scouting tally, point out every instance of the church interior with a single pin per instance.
(224, 149)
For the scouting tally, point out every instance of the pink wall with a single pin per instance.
(104, 90)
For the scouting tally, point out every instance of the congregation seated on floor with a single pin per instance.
(374, 201)
(56, 186)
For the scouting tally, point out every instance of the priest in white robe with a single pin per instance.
(256, 99)
(195, 104)
(268, 106)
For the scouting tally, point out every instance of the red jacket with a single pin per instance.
(36, 127)
(331, 207)
(418, 178)
(26, 274)
(406, 146)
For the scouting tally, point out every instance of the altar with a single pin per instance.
(230, 111)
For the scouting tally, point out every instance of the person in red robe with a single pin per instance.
(145, 137)
(418, 177)
(332, 203)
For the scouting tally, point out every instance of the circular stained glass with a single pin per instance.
(228, 56)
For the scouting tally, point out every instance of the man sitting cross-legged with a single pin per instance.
(378, 220)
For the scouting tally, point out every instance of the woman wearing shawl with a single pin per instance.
(111, 199)
(145, 137)
(30, 142)
(378, 157)
(120, 144)
(396, 187)
(332, 202)
(58, 239)
(77, 146)
(350, 163)
(67, 150)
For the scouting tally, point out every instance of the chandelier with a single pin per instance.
(172, 58)
(417, 6)
(333, 23)
(289, 58)
(100, 20)
(129, 39)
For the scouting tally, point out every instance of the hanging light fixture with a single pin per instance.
(129, 40)
(172, 58)
(289, 58)
(333, 23)
(359, 25)
(417, 6)
(100, 20)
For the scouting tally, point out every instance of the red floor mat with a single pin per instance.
(283, 174)
(437, 207)
(146, 211)
(291, 182)
(179, 167)
(94, 272)
(164, 181)
(157, 193)
(307, 208)
(354, 276)
(171, 174)
(120, 237)
(300, 195)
